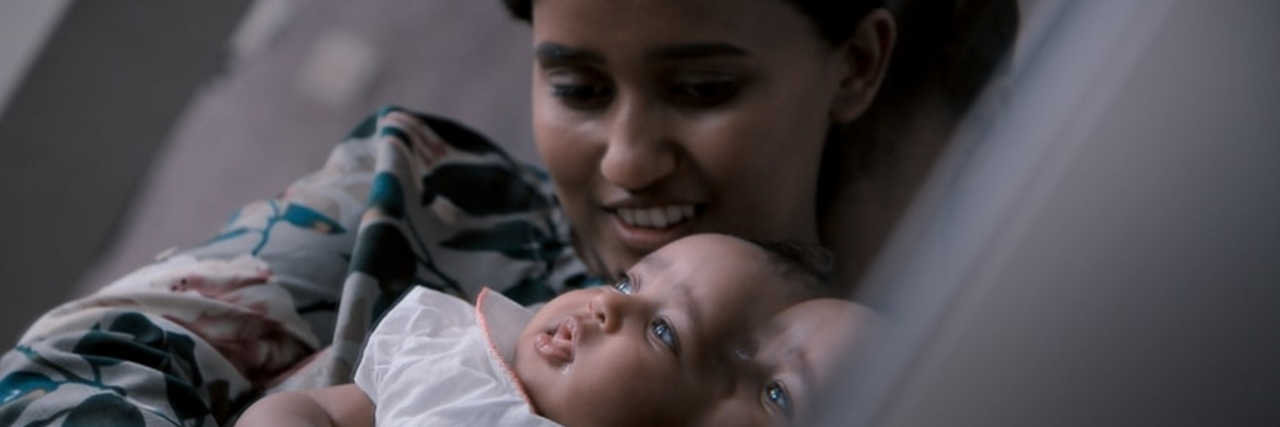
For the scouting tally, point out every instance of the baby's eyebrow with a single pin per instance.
(694, 313)
(655, 261)
(750, 370)
(807, 374)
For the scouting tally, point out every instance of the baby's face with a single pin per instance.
(797, 349)
(662, 346)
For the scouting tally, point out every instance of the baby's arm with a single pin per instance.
(341, 406)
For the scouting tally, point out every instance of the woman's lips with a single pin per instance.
(558, 344)
(647, 229)
(656, 217)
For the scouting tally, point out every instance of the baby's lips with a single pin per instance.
(558, 345)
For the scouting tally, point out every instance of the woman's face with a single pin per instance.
(663, 118)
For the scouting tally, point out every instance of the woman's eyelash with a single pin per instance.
(776, 394)
(579, 91)
(578, 88)
(710, 92)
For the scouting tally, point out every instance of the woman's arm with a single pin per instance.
(341, 406)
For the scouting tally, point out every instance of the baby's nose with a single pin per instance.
(609, 308)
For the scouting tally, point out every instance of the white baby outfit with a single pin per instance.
(435, 360)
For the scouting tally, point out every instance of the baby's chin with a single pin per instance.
(534, 374)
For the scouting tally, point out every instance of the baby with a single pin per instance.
(693, 334)
(798, 348)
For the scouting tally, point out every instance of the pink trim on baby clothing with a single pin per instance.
(493, 348)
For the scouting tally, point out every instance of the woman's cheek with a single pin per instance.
(567, 154)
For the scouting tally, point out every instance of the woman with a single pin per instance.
(655, 119)
(663, 119)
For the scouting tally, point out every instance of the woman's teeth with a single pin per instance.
(656, 217)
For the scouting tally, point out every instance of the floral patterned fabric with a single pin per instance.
(284, 296)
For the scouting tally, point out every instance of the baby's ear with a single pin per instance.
(866, 57)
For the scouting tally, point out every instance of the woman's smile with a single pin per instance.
(683, 117)
(646, 226)
(656, 217)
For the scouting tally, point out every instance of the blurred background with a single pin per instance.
(131, 126)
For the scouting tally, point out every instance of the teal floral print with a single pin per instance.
(285, 294)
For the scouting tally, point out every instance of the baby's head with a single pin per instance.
(797, 350)
(673, 342)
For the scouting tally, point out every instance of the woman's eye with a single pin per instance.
(582, 96)
(578, 91)
(706, 94)
(775, 394)
(624, 285)
(662, 330)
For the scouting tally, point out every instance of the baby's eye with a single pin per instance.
(777, 396)
(624, 285)
(665, 333)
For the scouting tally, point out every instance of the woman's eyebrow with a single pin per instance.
(555, 53)
(686, 51)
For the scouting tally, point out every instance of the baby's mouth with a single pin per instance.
(558, 344)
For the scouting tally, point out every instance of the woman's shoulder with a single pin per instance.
(468, 214)
(439, 135)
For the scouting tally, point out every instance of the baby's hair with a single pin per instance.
(808, 263)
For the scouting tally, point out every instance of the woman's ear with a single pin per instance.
(866, 57)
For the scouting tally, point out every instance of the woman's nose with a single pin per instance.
(640, 151)
(610, 309)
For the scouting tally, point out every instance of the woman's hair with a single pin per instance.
(835, 20)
